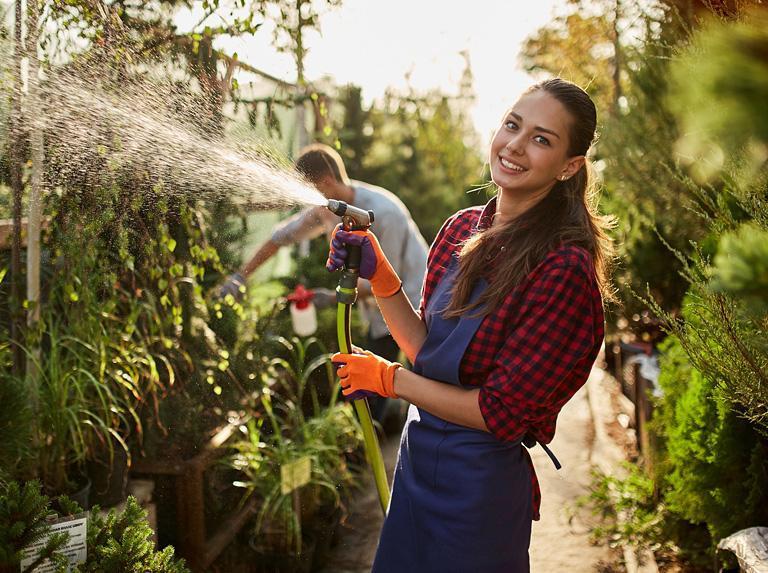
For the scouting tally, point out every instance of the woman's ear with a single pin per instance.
(572, 166)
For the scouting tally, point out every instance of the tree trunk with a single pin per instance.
(616, 58)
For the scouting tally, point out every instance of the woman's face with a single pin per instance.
(529, 151)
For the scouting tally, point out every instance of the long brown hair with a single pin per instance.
(566, 215)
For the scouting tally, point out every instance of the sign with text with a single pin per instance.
(74, 549)
(295, 474)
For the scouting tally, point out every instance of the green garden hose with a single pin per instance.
(372, 449)
(346, 295)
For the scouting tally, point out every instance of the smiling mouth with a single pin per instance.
(513, 166)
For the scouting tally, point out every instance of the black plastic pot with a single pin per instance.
(325, 533)
(269, 559)
(110, 479)
(81, 496)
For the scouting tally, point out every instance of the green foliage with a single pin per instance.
(723, 331)
(718, 93)
(123, 542)
(741, 269)
(715, 467)
(627, 510)
(579, 45)
(299, 419)
(120, 541)
(15, 428)
(76, 411)
(23, 514)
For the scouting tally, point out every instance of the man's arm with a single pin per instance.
(306, 224)
(265, 252)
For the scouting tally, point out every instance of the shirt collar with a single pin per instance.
(486, 217)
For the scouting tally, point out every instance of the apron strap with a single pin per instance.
(529, 442)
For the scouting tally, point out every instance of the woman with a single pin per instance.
(511, 321)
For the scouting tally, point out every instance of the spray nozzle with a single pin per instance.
(353, 218)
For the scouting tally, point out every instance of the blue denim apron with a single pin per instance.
(461, 499)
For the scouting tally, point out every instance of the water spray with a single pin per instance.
(355, 219)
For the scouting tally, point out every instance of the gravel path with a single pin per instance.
(556, 544)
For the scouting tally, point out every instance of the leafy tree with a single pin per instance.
(355, 131)
(582, 45)
(724, 332)
(293, 19)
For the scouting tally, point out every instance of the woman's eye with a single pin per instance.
(541, 139)
(509, 124)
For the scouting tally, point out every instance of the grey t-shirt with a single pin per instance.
(398, 235)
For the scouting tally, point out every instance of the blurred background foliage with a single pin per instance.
(683, 154)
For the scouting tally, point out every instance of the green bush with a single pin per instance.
(714, 463)
(123, 542)
(23, 513)
(627, 510)
(120, 542)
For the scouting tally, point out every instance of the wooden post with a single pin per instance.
(642, 416)
(34, 117)
(16, 156)
(194, 544)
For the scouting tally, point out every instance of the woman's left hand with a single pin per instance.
(361, 373)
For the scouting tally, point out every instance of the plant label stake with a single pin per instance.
(354, 219)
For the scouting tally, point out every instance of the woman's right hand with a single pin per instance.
(374, 265)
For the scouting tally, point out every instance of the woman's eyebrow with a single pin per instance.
(537, 128)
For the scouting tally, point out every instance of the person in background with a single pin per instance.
(398, 235)
(509, 326)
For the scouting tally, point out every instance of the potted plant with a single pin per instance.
(294, 426)
(76, 413)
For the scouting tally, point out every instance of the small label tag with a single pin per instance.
(74, 549)
(295, 474)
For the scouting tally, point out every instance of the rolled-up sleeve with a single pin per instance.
(551, 335)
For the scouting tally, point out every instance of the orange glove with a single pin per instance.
(361, 373)
(374, 265)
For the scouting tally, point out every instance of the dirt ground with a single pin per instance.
(560, 540)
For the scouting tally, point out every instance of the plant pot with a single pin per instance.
(109, 479)
(274, 559)
(325, 530)
(81, 495)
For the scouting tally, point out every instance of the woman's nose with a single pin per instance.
(515, 144)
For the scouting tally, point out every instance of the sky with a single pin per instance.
(378, 44)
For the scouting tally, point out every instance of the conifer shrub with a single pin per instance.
(23, 521)
(712, 463)
(120, 542)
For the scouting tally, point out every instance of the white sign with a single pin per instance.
(74, 549)
(295, 474)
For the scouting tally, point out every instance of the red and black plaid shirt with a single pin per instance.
(530, 356)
